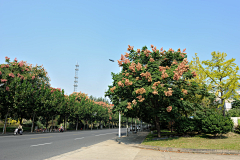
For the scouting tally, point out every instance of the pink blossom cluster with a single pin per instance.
(7, 88)
(140, 91)
(129, 105)
(15, 59)
(169, 108)
(19, 75)
(0, 73)
(11, 75)
(112, 89)
(123, 60)
(184, 91)
(128, 83)
(169, 92)
(120, 84)
(139, 66)
(132, 67)
(6, 58)
(154, 49)
(182, 67)
(140, 98)
(21, 63)
(3, 80)
(130, 48)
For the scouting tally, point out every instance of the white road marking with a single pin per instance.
(40, 144)
(105, 134)
(78, 138)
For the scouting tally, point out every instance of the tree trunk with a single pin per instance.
(52, 124)
(158, 126)
(77, 124)
(33, 122)
(5, 125)
(46, 123)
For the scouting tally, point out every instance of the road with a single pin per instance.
(46, 145)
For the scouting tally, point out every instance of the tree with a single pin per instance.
(220, 75)
(236, 103)
(216, 123)
(17, 79)
(153, 84)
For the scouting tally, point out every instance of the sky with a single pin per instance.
(58, 34)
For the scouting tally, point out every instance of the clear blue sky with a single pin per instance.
(60, 33)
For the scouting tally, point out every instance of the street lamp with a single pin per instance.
(119, 131)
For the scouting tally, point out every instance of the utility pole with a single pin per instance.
(76, 78)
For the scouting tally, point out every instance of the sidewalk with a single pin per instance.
(129, 148)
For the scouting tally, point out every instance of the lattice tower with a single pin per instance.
(76, 78)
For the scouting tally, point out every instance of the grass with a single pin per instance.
(230, 141)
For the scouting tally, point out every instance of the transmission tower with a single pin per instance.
(76, 78)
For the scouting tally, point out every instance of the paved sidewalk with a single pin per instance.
(129, 148)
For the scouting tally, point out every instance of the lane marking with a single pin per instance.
(41, 137)
(78, 138)
(40, 144)
(105, 134)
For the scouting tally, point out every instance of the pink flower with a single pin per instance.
(0, 73)
(15, 59)
(7, 88)
(33, 77)
(3, 80)
(6, 58)
(7, 66)
(184, 50)
(11, 75)
(20, 64)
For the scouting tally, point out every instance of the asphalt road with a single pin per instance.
(46, 145)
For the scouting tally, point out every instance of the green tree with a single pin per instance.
(236, 103)
(220, 75)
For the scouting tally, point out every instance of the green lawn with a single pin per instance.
(230, 141)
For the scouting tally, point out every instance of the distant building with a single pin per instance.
(228, 103)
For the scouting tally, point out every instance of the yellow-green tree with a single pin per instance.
(220, 75)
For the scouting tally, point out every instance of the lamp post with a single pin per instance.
(119, 131)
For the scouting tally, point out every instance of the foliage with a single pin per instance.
(184, 125)
(237, 129)
(154, 85)
(220, 75)
(236, 103)
(235, 112)
(216, 123)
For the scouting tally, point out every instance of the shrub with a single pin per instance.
(235, 112)
(184, 125)
(237, 129)
(216, 123)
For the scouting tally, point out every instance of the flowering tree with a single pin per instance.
(153, 84)
(19, 80)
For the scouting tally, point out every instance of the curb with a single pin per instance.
(184, 150)
(189, 150)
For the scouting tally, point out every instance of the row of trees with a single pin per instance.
(25, 92)
(161, 86)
